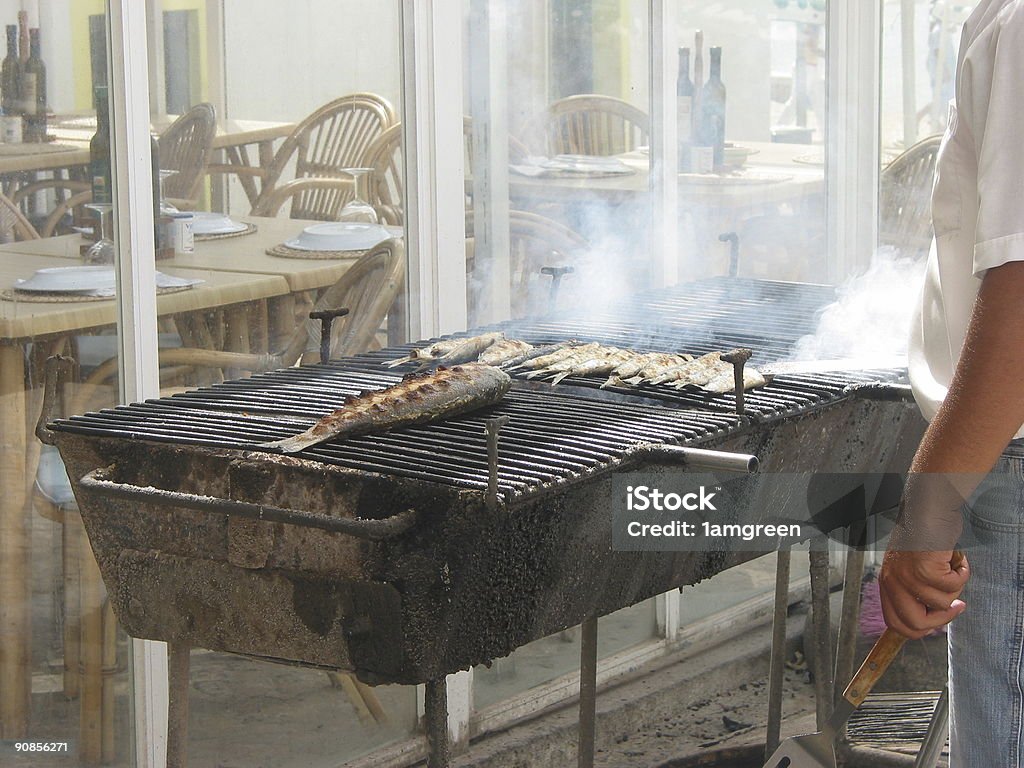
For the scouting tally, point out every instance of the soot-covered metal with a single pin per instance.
(401, 556)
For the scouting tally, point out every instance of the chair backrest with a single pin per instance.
(334, 137)
(368, 289)
(534, 242)
(590, 124)
(387, 182)
(13, 224)
(186, 146)
(904, 198)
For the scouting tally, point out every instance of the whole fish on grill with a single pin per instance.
(575, 356)
(544, 361)
(417, 399)
(597, 366)
(504, 350)
(429, 352)
(466, 350)
(657, 366)
(726, 382)
(698, 371)
(535, 352)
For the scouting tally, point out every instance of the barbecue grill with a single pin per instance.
(406, 556)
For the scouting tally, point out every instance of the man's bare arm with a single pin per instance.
(980, 415)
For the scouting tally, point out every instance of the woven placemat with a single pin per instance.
(43, 297)
(40, 148)
(249, 229)
(288, 252)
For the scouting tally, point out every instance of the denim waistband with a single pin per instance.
(1015, 449)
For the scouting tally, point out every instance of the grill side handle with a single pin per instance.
(98, 481)
(699, 459)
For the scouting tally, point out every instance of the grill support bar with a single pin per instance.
(178, 661)
(435, 721)
(588, 693)
(98, 482)
(777, 667)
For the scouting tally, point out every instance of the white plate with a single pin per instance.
(207, 223)
(68, 280)
(90, 281)
(341, 236)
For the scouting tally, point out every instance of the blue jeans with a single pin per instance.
(986, 643)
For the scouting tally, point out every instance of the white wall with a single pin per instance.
(284, 59)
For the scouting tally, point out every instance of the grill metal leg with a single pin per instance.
(778, 657)
(435, 706)
(938, 731)
(821, 631)
(588, 693)
(849, 622)
(177, 704)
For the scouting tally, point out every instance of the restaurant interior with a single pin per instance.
(185, 181)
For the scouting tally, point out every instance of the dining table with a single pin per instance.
(256, 294)
(243, 146)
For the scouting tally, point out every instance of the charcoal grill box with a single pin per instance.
(428, 573)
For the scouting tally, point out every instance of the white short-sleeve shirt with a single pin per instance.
(978, 197)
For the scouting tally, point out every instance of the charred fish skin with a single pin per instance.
(417, 399)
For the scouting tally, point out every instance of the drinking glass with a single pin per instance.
(165, 207)
(102, 251)
(357, 210)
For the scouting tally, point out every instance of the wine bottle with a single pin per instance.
(10, 72)
(23, 44)
(712, 118)
(702, 158)
(684, 110)
(99, 151)
(34, 97)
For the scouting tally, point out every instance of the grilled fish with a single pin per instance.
(504, 350)
(575, 356)
(466, 350)
(417, 399)
(429, 352)
(698, 371)
(726, 382)
(544, 361)
(657, 366)
(598, 366)
(535, 352)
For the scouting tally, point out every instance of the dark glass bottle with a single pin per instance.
(23, 44)
(684, 110)
(99, 151)
(712, 118)
(10, 71)
(34, 96)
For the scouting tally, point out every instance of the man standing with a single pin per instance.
(967, 368)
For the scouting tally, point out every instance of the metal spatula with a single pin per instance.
(817, 750)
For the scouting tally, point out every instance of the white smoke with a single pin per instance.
(871, 318)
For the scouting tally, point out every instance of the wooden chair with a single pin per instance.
(534, 242)
(387, 182)
(335, 137)
(13, 224)
(186, 146)
(904, 198)
(369, 289)
(589, 124)
(68, 195)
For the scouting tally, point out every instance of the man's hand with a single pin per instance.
(920, 591)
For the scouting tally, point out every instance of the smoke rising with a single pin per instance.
(871, 318)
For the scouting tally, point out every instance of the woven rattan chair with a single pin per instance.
(335, 137)
(68, 195)
(186, 146)
(534, 242)
(13, 224)
(589, 124)
(387, 180)
(904, 198)
(368, 289)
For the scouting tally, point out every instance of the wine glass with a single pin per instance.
(165, 207)
(102, 250)
(357, 210)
